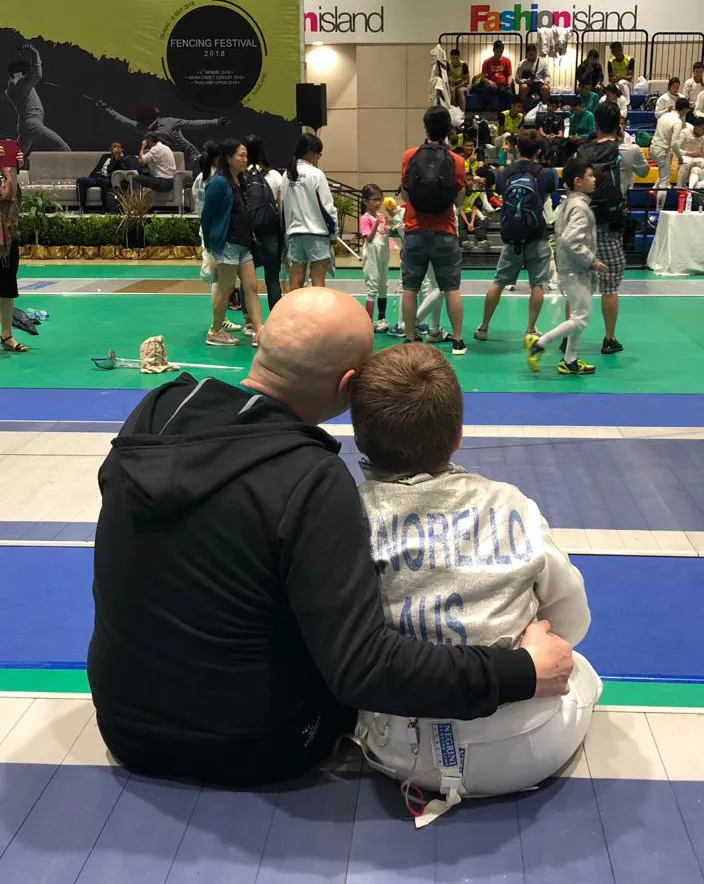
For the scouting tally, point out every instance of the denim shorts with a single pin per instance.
(424, 247)
(305, 248)
(233, 254)
(534, 256)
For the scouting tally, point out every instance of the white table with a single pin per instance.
(678, 247)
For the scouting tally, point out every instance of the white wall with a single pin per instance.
(377, 96)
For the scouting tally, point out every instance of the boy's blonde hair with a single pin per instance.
(407, 410)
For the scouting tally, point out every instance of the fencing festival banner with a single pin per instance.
(82, 74)
(420, 21)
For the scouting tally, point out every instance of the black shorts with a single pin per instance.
(8, 272)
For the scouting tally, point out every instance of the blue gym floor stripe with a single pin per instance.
(523, 409)
(638, 628)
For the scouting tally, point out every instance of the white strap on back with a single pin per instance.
(188, 398)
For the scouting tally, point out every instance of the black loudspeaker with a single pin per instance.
(312, 105)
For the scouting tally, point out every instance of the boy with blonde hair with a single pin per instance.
(461, 559)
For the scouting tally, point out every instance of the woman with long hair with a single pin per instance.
(264, 194)
(207, 166)
(10, 199)
(227, 235)
(310, 216)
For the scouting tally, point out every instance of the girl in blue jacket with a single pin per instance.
(228, 236)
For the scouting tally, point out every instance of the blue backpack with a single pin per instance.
(522, 219)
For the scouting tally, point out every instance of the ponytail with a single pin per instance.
(208, 158)
(305, 144)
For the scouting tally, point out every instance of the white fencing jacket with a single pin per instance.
(467, 561)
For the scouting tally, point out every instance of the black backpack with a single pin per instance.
(607, 200)
(430, 180)
(261, 205)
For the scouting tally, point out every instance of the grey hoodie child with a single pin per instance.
(575, 235)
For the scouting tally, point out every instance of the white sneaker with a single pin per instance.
(510, 288)
(381, 326)
(249, 329)
(231, 326)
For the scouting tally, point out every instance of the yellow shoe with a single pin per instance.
(576, 367)
(531, 335)
(534, 351)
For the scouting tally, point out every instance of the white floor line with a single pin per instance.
(358, 290)
(69, 544)
(571, 549)
(515, 431)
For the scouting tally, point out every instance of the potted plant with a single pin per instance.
(36, 209)
(345, 206)
(134, 206)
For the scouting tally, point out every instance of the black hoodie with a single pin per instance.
(235, 594)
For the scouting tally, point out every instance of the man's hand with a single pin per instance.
(600, 267)
(552, 657)
(223, 121)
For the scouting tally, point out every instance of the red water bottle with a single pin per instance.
(681, 201)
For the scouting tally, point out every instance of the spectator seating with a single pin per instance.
(55, 173)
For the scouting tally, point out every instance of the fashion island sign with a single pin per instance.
(421, 21)
(483, 17)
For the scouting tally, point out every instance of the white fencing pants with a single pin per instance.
(579, 292)
(430, 300)
(375, 265)
(624, 87)
(516, 748)
(663, 160)
(686, 173)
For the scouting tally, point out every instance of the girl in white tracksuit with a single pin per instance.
(577, 266)
(374, 228)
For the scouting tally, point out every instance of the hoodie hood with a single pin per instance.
(190, 439)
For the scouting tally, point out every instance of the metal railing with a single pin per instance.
(672, 54)
(563, 69)
(635, 43)
(476, 47)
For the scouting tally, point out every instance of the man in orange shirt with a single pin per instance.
(497, 76)
(433, 179)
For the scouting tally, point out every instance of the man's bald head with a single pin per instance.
(309, 348)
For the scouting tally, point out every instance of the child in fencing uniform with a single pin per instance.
(461, 560)
(577, 266)
(373, 226)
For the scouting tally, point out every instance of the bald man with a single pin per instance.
(238, 621)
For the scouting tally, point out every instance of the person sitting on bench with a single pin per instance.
(101, 177)
(160, 163)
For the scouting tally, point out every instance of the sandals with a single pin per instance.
(13, 348)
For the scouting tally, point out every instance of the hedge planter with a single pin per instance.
(110, 253)
(87, 237)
